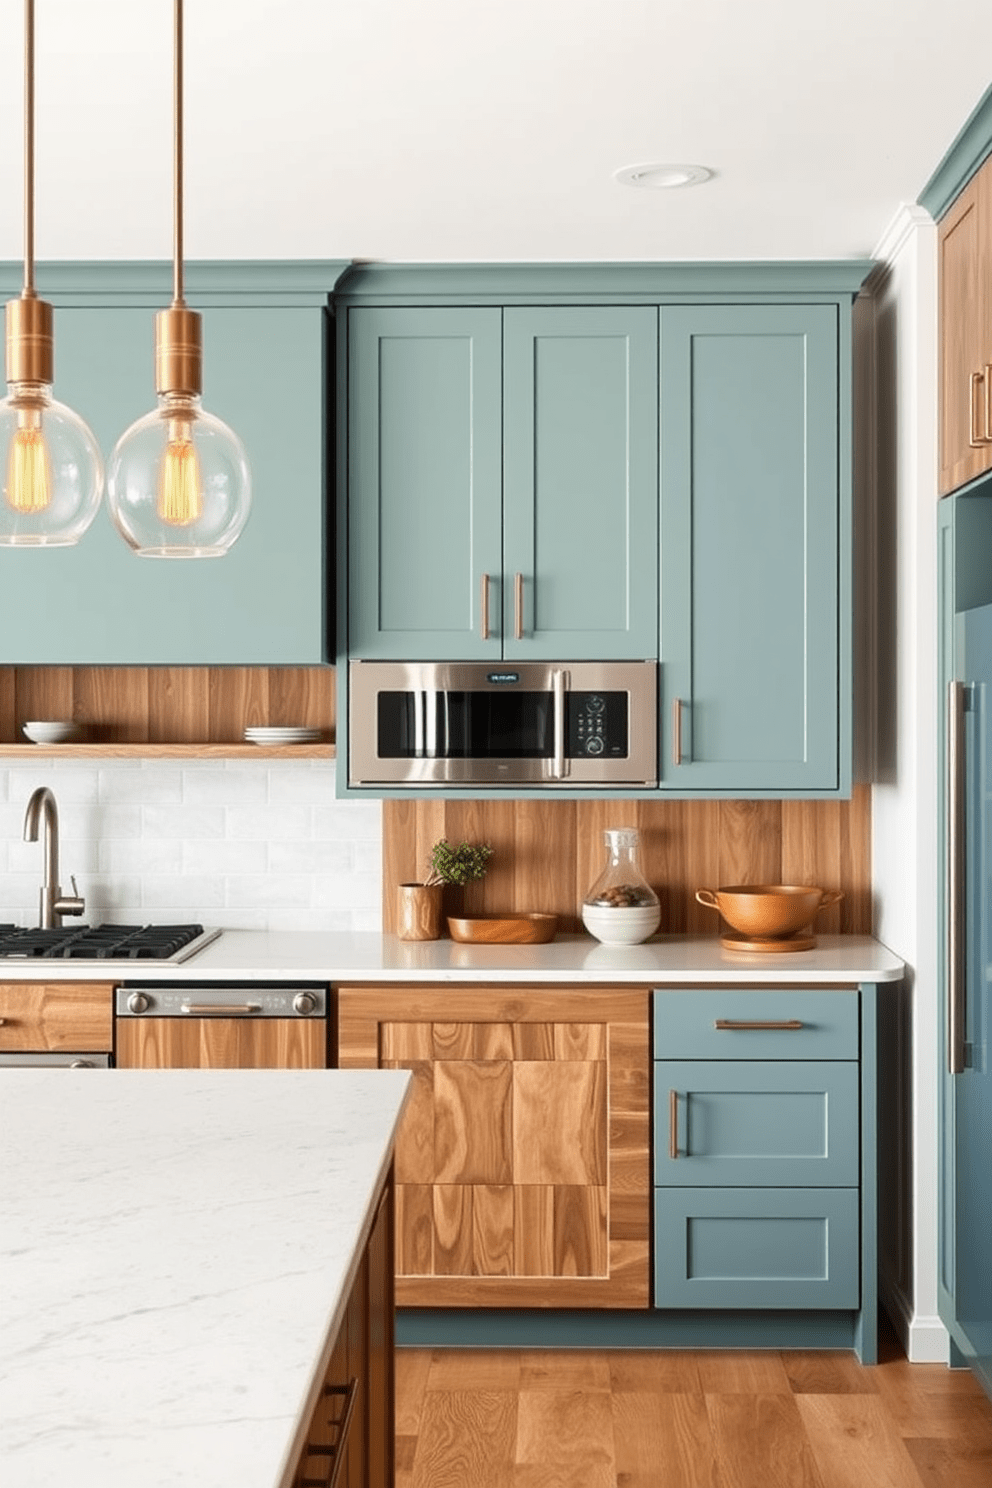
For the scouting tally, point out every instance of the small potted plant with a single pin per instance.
(420, 903)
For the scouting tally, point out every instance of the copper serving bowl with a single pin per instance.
(768, 910)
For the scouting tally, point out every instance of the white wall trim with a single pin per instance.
(907, 221)
(924, 1339)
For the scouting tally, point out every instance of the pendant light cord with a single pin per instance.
(177, 225)
(28, 290)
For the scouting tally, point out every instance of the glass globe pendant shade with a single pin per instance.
(178, 482)
(51, 472)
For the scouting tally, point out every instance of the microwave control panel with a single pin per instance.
(596, 725)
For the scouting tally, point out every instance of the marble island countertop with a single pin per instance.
(684, 960)
(176, 1249)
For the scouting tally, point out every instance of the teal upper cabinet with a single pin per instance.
(425, 481)
(755, 551)
(265, 339)
(502, 482)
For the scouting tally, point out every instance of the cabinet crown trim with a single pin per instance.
(437, 284)
(972, 146)
(283, 282)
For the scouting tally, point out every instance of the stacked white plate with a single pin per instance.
(51, 732)
(284, 735)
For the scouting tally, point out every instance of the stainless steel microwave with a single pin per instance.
(576, 723)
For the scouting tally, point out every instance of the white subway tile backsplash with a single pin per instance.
(236, 843)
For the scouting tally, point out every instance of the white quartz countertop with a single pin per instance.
(176, 1248)
(259, 956)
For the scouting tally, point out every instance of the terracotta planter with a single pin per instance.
(419, 915)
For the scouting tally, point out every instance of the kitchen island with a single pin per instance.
(178, 1251)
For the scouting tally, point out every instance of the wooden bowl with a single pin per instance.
(515, 929)
(768, 910)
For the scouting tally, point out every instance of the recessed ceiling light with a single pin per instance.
(662, 177)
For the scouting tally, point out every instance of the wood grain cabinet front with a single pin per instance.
(52, 1017)
(522, 1158)
(964, 246)
(349, 1438)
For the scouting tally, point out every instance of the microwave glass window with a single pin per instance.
(467, 725)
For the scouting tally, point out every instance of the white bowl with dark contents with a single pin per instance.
(623, 915)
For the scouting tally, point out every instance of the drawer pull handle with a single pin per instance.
(334, 1453)
(676, 731)
(518, 607)
(976, 440)
(788, 1025)
(220, 1010)
(673, 1124)
(485, 607)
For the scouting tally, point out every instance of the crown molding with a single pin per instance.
(972, 146)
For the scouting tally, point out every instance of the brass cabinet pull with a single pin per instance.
(220, 1010)
(518, 607)
(956, 874)
(673, 1124)
(786, 1025)
(975, 439)
(485, 607)
(677, 731)
(987, 375)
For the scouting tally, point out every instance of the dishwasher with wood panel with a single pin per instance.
(185, 1026)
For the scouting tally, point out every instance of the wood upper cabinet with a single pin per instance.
(755, 551)
(522, 1162)
(42, 1017)
(221, 1043)
(964, 242)
(502, 482)
(262, 604)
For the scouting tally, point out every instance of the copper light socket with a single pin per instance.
(30, 341)
(179, 351)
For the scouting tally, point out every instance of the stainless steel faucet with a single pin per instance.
(51, 904)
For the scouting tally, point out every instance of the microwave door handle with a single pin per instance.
(419, 709)
(558, 680)
(430, 724)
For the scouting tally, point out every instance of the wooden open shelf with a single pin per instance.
(167, 712)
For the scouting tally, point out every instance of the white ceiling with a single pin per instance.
(449, 130)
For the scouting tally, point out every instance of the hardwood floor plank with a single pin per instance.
(946, 1464)
(564, 1369)
(565, 1428)
(760, 1442)
(855, 1442)
(827, 1373)
(742, 1373)
(574, 1475)
(466, 1437)
(653, 1371)
(412, 1369)
(476, 1369)
(662, 1439)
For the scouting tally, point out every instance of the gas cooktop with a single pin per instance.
(106, 942)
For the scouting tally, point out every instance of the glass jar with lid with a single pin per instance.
(621, 908)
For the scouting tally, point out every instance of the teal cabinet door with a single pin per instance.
(261, 604)
(424, 483)
(752, 569)
(580, 482)
(755, 1248)
(758, 1122)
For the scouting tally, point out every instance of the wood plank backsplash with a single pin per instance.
(549, 852)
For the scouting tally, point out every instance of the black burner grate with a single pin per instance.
(99, 942)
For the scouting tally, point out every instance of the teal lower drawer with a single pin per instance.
(756, 1248)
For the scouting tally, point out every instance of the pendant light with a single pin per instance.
(50, 466)
(178, 482)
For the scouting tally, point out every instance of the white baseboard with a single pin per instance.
(923, 1338)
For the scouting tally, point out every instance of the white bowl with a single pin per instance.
(622, 925)
(51, 732)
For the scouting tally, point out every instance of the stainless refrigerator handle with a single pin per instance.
(956, 869)
(558, 687)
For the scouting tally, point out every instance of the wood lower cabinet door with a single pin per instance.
(41, 1017)
(522, 1161)
(964, 247)
(220, 1043)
